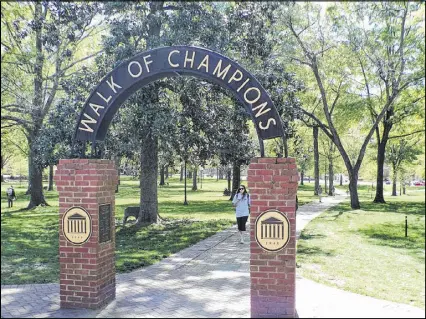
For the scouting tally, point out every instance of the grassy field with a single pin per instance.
(305, 193)
(29, 239)
(365, 251)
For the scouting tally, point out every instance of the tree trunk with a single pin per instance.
(162, 172)
(325, 179)
(194, 180)
(353, 184)
(149, 172)
(228, 176)
(28, 191)
(36, 181)
(302, 175)
(394, 181)
(330, 176)
(221, 175)
(189, 174)
(316, 159)
(117, 161)
(181, 173)
(403, 188)
(50, 188)
(2, 178)
(236, 178)
(285, 146)
(167, 172)
(35, 178)
(379, 198)
(341, 179)
(217, 173)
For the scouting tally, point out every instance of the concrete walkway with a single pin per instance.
(208, 280)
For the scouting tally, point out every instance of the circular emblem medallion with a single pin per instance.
(272, 230)
(77, 225)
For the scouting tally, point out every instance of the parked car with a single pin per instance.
(419, 183)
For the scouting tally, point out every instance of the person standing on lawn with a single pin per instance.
(10, 192)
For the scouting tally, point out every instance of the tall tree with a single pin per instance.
(390, 54)
(138, 26)
(318, 43)
(398, 153)
(252, 39)
(303, 152)
(40, 47)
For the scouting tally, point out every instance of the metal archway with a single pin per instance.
(149, 66)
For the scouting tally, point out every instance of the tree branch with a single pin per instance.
(301, 62)
(26, 124)
(372, 130)
(408, 134)
(61, 72)
(20, 148)
(8, 106)
(401, 46)
(337, 97)
(320, 124)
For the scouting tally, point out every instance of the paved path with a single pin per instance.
(208, 280)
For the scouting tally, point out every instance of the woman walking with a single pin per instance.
(241, 203)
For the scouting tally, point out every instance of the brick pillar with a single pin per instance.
(273, 185)
(87, 270)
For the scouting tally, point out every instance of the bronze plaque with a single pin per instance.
(272, 230)
(104, 223)
(77, 225)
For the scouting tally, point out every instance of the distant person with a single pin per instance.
(319, 193)
(241, 202)
(333, 191)
(10, 192)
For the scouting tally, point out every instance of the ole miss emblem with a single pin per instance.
(77, 225)
(272, 230)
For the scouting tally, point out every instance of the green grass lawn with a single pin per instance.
(365, 251)
(29, 239)
(305, 193)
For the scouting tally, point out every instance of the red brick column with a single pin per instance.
(273, 185)
(87, 271)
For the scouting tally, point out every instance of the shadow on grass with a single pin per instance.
(317, 251)
(305, 236)
(177, 209)
(393, 235)
(304, 247)
(142, 246)
(10, 213)
(331, 216)
(29, 249)
(407, 208)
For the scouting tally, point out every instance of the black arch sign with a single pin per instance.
(158, 63)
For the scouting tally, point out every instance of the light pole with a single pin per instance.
(228, 176)
(185, 202)
(325, 174)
